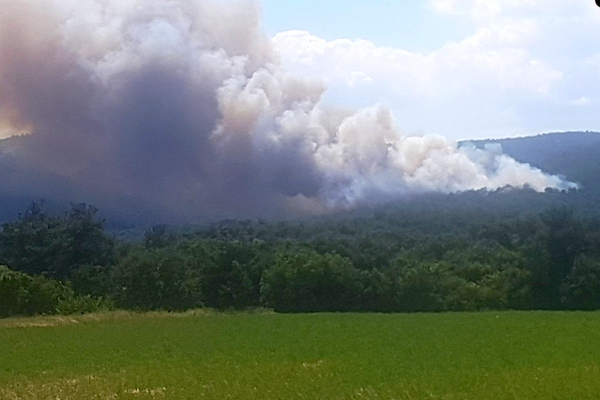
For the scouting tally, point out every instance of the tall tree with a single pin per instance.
(565, 240)
(41, 243)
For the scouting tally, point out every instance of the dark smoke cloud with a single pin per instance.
(182, 106)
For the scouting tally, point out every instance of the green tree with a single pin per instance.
(232, 277)
(32, 244)
(581, 289)
(158, 279)
(305, 281)
(564, 241)
(41, 243)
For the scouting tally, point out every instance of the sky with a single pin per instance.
(465, 69)
(405, 24)
(243, 108)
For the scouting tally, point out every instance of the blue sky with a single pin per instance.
(407, 24)
(460, 68)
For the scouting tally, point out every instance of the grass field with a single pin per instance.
(325, 356)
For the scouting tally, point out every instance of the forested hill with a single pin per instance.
(477, 250)
(576, 155)
(572, 154)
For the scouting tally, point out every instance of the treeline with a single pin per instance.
(379, 261)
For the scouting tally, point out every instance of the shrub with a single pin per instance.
(22, 294)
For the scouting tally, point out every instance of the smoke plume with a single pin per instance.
(182, 105)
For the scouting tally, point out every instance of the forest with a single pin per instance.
(507, 249)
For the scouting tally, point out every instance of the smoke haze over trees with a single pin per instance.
(387, 260)
(183, 108)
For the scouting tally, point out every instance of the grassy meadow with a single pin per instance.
(512, 355)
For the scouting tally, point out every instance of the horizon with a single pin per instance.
(459, 142)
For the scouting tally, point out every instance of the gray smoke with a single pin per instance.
(182, 105)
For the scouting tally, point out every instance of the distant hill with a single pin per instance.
(576, 155)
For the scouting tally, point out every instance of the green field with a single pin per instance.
(529, 355)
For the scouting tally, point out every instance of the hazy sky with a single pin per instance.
(459, 68)
(221, 108)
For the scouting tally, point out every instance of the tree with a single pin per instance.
(157, 279)
(581, 289)
(32, 243)
(305, 281)
(564, 242)
(41, 243)
(231, 279)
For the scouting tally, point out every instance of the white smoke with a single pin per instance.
(185, 104)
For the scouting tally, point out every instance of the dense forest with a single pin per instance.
(473, 251)
(477, 250)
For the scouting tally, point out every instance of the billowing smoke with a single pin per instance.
(182, 105)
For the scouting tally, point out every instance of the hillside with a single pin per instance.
(571, 154)
(576, 155)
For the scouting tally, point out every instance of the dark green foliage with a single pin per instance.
(560, 241)
(305, 281)
(426, 287)
(157, 279)
(21, 294)
(40, 243)
(94, 280)
(476, 250)
(581, 289)
(232, 277)
(84, 239)
(32, 243)
(387, 259)
(380, 290)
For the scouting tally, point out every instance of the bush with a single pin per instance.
(21, 294)
(76, 304)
